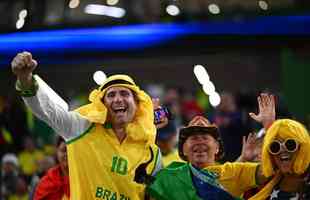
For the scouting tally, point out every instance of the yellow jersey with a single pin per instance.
(101, 167)
(29, 161)
(236, 177)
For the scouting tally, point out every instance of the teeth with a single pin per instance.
(284, 157)
(119, 110)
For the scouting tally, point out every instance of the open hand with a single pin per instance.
(248, 148)
(267, 113)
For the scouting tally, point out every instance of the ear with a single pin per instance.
(217, 147)
(185, 150)
(217, 151)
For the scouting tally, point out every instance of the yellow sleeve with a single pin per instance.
(236, 177)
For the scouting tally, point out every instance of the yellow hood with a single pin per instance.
(142, 127)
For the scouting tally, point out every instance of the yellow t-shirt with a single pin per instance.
(171, 157)
(102, 168)
(15, 197)
(236, 177)
(28, 161)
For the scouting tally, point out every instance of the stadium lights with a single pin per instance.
(23, 14)
(208, 88)
(215, 99)
(99, 77)
(74, 3)
(20, 23)
(263, 5)
(173, 10)
(110, 11)
(112, 2)
(214, 9)
(207, 85)
(21, 20)
(201, 74)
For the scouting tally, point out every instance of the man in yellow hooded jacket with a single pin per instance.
(110, 142)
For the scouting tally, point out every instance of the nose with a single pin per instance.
(117, 98)
(200, 140)
(282, 149)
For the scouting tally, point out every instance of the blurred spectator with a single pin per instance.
(29, 158)
(145, 10)
(166, 139)
(55, 184)
(14, 116)
(190, 108)
(172, 101)
(43, 166)
(229, 120)
(21, 192)
(9, 175)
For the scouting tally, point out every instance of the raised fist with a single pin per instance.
(23, 65)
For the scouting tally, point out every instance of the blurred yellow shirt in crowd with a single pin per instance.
(29, 161)
(171, 157)
(15, 197)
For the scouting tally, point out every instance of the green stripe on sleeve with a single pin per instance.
(80, 136)
(158, 163)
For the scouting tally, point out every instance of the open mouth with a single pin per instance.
(119, 110)
(200, 149)
(284, 158)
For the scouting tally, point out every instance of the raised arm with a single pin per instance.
(23, 66)
(67, 124)
(267, 112)
(266, 116)
(248, 152)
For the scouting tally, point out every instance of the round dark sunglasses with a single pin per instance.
(290, 145)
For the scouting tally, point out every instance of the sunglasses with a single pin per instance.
(290, 145)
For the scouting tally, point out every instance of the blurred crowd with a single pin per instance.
(28, 146)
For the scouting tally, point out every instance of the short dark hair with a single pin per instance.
(59, 140)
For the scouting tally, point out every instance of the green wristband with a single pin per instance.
(30, 92)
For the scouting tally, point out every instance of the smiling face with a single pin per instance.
(121, 105)
(201, 150)
(284, 158)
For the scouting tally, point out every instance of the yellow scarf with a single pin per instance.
(142, 127)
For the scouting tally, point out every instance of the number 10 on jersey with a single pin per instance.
(119, 165)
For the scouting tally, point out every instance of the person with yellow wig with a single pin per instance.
(110, 142)
(285, 160)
